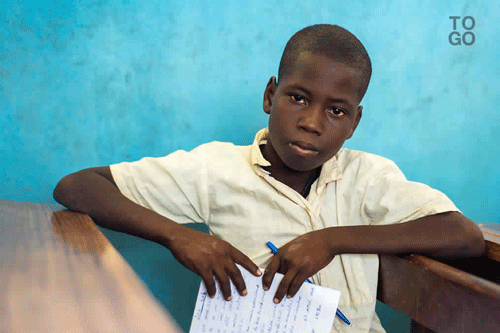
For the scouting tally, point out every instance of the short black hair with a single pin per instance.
(333, 42)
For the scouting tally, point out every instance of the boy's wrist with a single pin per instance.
(333, 240)
(170, 232)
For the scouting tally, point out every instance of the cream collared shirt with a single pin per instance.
(226, 187)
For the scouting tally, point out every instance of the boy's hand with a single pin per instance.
(298, 260)
(209, 256)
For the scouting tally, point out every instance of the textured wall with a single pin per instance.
(88, 83)
(92, 83)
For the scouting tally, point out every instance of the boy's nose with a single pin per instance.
(310, 119)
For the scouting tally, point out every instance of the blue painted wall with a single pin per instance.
(89, 83)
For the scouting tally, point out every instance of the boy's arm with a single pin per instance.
(445, 235)
(94, 192)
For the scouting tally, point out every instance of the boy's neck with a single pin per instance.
(300, 181)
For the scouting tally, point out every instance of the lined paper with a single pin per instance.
(311, 310)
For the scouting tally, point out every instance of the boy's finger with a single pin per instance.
(284, 286)
(297, 282)
(271, 269)
(240, 258)
(209, 282)
(224, 283)
(237, 278)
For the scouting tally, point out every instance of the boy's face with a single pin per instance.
(313, 110)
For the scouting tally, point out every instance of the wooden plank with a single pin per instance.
(438, 296)
(418, 328)
(450, 296)
(59, 273)
(491, 232)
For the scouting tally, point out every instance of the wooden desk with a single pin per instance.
(453, 296)
(59, 273)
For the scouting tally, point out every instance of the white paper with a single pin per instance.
(311, 310)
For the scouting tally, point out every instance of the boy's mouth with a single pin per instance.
(303, 148)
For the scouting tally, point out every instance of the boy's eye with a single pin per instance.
(297, 98)
(336, 112)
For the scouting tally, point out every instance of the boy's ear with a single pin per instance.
(359, 113)
(269, 95)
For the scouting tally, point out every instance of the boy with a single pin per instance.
(323, 206)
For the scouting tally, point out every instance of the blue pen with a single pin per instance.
(339, 314)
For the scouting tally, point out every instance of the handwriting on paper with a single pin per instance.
(312, 309)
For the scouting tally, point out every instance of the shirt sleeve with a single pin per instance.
(175, 186)
(390, 198)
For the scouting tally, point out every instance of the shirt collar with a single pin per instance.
(329, 172)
